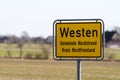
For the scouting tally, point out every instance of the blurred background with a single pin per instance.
(26, 38)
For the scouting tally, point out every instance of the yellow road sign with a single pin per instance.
(79, 39)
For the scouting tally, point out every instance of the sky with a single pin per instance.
(36, 17)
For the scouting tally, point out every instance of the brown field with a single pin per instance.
(26, 69)
(16, 69)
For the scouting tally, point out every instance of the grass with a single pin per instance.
(27, 48)
(115, 52)
(16, 69)
(36, 48)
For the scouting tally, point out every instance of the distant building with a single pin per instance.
(37, 39)
(115, 41)
(4, 39)
(49, 40)
(109, 35)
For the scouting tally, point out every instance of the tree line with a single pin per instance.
(26, 39)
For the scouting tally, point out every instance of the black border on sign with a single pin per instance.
(80, 21)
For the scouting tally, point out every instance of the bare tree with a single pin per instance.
(22, 41)
(25, 37)
(11, 39)
(20, 46)
(116, 28)
(44, 49)
(8, 48)
(117, 35)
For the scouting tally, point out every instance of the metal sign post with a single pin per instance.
(78, 70)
